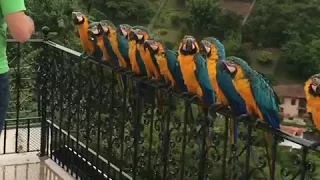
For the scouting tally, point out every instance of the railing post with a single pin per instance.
(42, 91)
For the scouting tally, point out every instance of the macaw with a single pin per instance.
(312, 91)
(96, 36)
(117, 42)
(137, 64)
(194, 70)
(93, 35)
(227, 94)
(167, 60)
(123, 41)
(261, 100)
(140, 34)
(106, 46)
(195, 74)
(82, 23)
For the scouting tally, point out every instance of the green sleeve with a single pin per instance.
(12, 6)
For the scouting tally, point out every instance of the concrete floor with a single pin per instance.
(28, 166)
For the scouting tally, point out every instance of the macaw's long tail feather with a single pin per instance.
(121, 81)
(268, 143)
(207, 128)
(233, 141)
(160, 101)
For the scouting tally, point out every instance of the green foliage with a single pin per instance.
(234, 46)
(175, 20)
(163, 32)
(265, 57)
(302, 57)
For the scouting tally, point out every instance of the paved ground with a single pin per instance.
(28, 166)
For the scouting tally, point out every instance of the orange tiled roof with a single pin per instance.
(295, 91)
(296, 131)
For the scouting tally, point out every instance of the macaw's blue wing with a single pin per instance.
(97, 51)
(236, 102)
(266, 100)
(110, 51)
(143, 70)
(124, 47)
(175, 70)
(204, 80)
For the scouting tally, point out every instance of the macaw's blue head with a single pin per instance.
(107, 26)
(124, 30)
(154, 45)
(139, 34)
(78, 18)
(94, 31)
(189, 45)
(314, 87)
(212, 48)
(236, 67)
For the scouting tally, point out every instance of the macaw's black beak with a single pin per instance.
(133, 36)
(203, 50)
(91, 36)
(189, 45)
(223, 66)
(146, 45)
(318, 90)
(75, 18)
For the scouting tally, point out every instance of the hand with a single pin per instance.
(31, 24)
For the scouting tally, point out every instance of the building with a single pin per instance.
(293, 101)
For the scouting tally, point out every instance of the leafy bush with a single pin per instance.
(175, 20)
(265, 57)
(163, 32)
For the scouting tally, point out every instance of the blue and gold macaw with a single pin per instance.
(194, 70)
(312, 91)
(137, 64)
(82, 23)
(95, 38)
(261, 100)
(119, 45)
(167, 61)
(227, 94)
(140, 35)
(195, 74)
(113, 59)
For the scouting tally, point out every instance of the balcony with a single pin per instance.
(71, 112)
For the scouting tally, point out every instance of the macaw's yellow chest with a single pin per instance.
(212, 71)
(244, 89)
(314, 108)
(188, 68)
(102, 47)
(86, 44)
(133, 58)
(115, 47)
(164, 69)
(147, 59)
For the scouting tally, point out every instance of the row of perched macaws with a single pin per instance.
(200, 68)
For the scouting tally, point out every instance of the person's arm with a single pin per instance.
(20, 25)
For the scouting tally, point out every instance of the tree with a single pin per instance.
(234, 47)
(302, 57)
(207, 19)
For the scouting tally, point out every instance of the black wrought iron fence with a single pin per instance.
(21, 131)
(96, 129)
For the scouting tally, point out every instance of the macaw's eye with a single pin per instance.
(316, 81)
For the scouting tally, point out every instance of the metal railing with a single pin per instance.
(96, 130)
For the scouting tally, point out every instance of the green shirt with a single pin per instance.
(7, 7)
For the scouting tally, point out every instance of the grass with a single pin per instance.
(278, 68)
